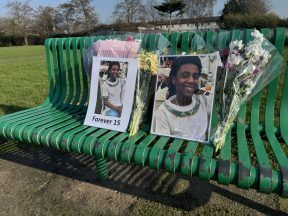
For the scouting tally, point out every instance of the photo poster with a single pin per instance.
(111, 93)
(184, 96)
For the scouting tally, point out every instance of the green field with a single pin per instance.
(24, 79)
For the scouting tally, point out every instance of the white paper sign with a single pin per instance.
(111, 93)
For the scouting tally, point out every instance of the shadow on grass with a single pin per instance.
(7, 109)
(157, 186)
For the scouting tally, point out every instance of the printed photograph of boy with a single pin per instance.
(112, 81)
(184, 97)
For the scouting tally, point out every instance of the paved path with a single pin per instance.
(41, 181)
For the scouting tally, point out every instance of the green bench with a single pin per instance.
(246, 159)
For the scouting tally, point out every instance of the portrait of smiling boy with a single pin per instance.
(113, 91)
(186, 111)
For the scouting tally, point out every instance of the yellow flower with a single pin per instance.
(148, 61)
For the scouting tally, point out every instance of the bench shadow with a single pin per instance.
(7, 109)
(156, 186)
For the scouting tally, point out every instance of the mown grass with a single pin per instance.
(24, 79)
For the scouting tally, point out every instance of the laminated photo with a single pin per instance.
(111, 93)
(184, 96)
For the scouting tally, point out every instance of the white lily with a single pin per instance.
(257, 35)
(235, 59)
(236, 44)
(265, 56)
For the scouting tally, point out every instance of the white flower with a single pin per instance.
(237, 44)
(252, 49)
(255, 59)
(265, 56)
(235, 59)
(258, 36)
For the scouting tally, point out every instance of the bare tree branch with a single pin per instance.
(66, 14)
(85, 14)
(151, 13)
(129, 11)
(20, 16)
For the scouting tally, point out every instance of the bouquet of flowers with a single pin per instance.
(145, 85)
(146, 78)
(248, 70)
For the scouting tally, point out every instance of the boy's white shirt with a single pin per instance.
(114, 94)
(193, 127)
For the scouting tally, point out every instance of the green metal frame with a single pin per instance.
(58, 122)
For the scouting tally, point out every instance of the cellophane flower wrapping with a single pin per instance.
(198, 44)
(248, 69)
(115, 46)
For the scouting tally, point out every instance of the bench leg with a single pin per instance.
(102, 171)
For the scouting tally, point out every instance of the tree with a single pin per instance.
(247, 14)
(232, 7)
(5, 26)
(45, 20)
(129, 11)
(171, 7)
(255, 7)
(85, 13)
(199, 8)
(250, 21)
(151, 14)
(20, 16)
(66, 15)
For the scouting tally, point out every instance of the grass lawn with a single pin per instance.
(24, 79)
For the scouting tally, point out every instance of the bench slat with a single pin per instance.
(156, 155)
(172, 159)
(185, 41)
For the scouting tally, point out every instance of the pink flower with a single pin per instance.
(129, 38)
(256, 70)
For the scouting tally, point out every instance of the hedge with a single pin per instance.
(16, 40)
(249, 21)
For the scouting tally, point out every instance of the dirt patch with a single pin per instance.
(41, 181)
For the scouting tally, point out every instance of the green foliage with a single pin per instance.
(255, 7)
(232, 7)
(170, 7)
(283, 23)
(36, 40)
(11, 40)
(250, 21)
(16, 40)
